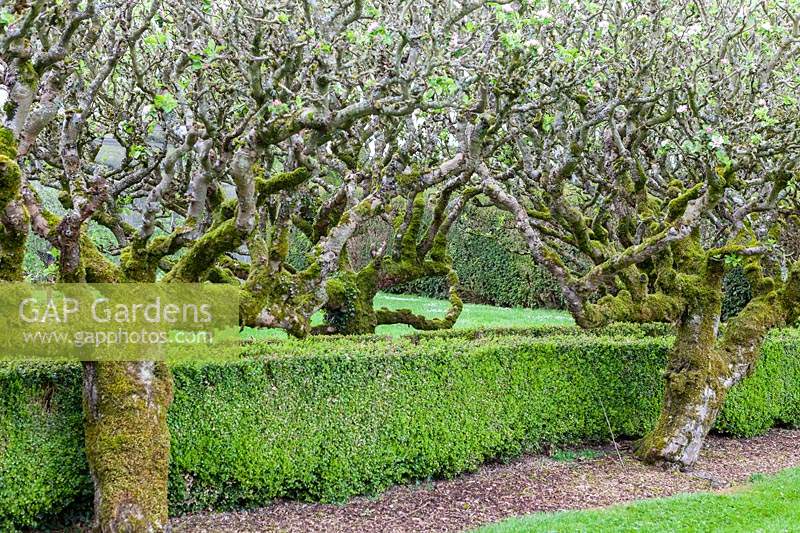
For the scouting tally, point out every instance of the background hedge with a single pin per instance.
(491, 260)
(493, 265)
(323, 420)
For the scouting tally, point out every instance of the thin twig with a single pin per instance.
(611, 431)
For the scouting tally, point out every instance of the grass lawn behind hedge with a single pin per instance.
(473, 316)
(769, 504)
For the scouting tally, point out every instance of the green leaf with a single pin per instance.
(165, 102)
(443, 85)
(6, 18)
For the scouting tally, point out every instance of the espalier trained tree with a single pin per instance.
(653, 145)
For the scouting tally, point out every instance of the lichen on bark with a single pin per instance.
(127, 443)
(13, 215)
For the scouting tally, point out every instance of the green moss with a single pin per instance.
(409, 180)
(134, 266)
(791, 295)
(218, 274)
(363, 208)
(281, 181)
(677, 207)
(10, 174)
(303, 225)
(418, 322)
(127, 443)
(205, 251)
(280, 245)
(279, 295)
(226, 210)
(623, 307)
(12, 253)
(328, 215)
(98, 268)
(698, 367)
(8, 145)
(28, 75)
(65, 199)
(12, 240)
(408, 243)
(349, 308)
(10, 108)
(553, 257)
(140, 259)
(438, 251)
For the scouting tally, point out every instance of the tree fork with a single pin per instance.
(702, 368)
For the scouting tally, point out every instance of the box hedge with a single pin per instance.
(326, 420)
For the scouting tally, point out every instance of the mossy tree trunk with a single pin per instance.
(127, 443)
(14, 219)
(127, 439)
(695, 389)
(350, 309)
(703, 366)
(696, 372)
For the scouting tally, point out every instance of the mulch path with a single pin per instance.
(527, 485)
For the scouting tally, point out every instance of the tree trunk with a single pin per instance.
(127, 443)
(692, 400)
(697, 381)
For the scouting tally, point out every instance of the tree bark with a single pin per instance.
(693, 397)
(697, 377)
(702, 368)
(127, 443)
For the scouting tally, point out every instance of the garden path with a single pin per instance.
(567, 479)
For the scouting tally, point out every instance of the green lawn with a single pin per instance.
(769, 504)
(473, 316)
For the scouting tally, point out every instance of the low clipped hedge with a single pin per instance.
(325, 420)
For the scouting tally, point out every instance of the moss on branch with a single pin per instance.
(281, 181)
(97, 267)
(205, 252)
(10, 173)
(677, 207)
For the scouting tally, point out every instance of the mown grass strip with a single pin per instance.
(768, 504)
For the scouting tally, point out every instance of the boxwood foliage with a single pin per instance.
(327, 419)
(43, 468)
(737, 292)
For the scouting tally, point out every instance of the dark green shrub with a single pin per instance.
(772, 395)
(737, 292)
(327, 419)
(493, 266)
(43, 469)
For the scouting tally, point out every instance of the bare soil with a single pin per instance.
(586, 478)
